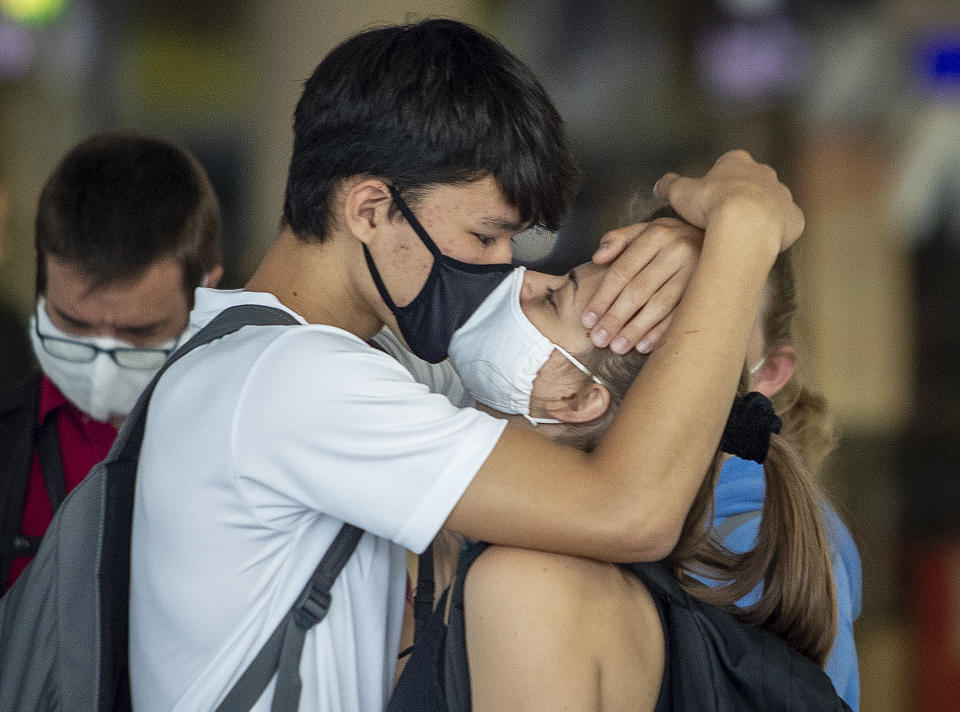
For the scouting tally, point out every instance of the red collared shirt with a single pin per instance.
(83, 443)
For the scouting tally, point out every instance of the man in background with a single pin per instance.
(127, 227)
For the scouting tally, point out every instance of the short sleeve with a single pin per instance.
(438, 377)
(328, 425)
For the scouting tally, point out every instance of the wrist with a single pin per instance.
(749, 223)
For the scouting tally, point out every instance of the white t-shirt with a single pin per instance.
(258, 447)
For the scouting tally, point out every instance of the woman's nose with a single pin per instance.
(529, 279)
(535, 285)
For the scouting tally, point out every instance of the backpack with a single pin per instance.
(64, 623)
(714, 661)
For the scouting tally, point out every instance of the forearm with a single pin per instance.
(670, 423)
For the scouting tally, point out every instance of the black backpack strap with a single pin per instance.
(18, 418)
(423, 597)
(281, 653)
(456, 672)
(47, 440)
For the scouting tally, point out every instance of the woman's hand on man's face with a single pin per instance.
(650, 267)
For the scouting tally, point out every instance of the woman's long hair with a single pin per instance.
(791, 556)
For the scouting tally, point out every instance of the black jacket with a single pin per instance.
(18, 418)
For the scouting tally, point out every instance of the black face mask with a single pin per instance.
(452, 292)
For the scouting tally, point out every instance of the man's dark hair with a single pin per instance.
(117, 203)
(436, 102)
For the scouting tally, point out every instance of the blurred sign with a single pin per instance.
(937, 61)
(752, 62)
(37, 12)
(18, 49)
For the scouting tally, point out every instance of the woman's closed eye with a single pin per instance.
(549, 298)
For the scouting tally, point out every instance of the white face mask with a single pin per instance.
(101, 388)
(498, 352)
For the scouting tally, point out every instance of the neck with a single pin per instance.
(316, 281)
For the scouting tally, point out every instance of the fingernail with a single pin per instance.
(619, 345)
(644, 346)
(603, 247)
(600, 338)
(589, 320)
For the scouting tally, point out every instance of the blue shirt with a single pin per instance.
(740, 490)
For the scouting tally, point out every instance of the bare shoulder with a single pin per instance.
(531, 592)
(556, 599)
(576, 630)
(506, 576)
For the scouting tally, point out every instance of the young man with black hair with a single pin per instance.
(419, 152)
(127, 227)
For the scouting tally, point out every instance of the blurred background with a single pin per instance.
(855, 102)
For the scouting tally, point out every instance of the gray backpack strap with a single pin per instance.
(730, 524)
(123, 460)
(281, 653)
(226, 322)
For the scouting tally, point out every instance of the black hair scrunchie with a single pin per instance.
(747, 433)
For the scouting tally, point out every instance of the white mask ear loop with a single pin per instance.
(540, 421)
(551, 421)
(576, 363)
(756, 367)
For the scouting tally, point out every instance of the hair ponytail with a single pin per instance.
(799, 601)
(791, 557)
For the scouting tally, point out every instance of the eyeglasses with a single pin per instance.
(82, 352)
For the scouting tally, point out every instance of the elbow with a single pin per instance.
(645, 535)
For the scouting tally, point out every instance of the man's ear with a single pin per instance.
(587, 404)
(778, 367)
(366, 208)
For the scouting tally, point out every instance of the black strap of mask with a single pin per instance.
(421, 232)
(381, 287)
(414, 223)
(432, 246)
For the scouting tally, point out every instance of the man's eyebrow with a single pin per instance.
(497, 222)
(73, 321)
(144, 329)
